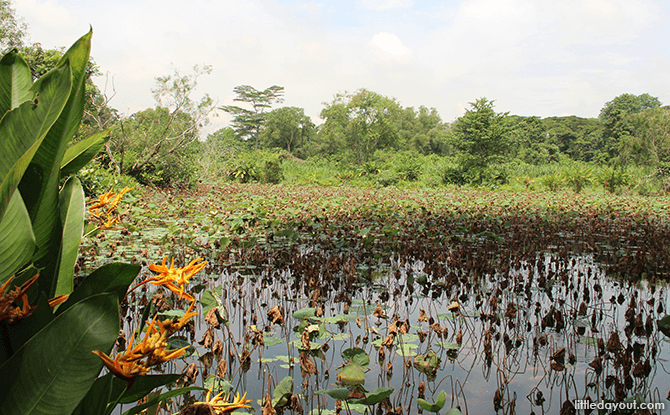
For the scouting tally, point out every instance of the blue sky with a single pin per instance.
(533, 57)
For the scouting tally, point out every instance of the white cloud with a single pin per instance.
(48, 13)
(390, 44)
(385, 4)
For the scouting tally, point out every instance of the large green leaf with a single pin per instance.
(17, 242)
(95, 401)
(140, 388)
(161, 398)
(15, 82)
(55, 369)
(43, 176)
(81, 153)
(72, 206)
(109, 278)
(23, 129)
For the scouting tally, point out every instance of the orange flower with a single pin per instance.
(175, 279)
(123, 368)
(151, 351)
(172, 326)
(9, 308)
(105, 201)
(220, 405)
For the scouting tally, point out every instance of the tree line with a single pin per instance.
(162, 145)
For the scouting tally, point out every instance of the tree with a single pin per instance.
(576, 137)
(288, 128)
(145, 144)
(615, 116)
(13, 30)
(359, 124)
(649, 144)
(248, 123)
(534, 144)
(482, 136)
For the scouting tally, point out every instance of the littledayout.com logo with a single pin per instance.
(613, 406)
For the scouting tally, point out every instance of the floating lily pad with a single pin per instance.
(357, 356)
(352, 374)
(449, 345)
(272, 341)
(589, 341)
(304, 313)
(407, 349)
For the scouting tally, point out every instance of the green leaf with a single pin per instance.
(374, 397)
(428, 363)
(449, 345)
(357, 355)
(177, 342)
(161, 398)
(434, 407)
(141, 387)
(210, 300)
(17, 242)
(15, 82)
(42, 178)
(24, 128)
(338, 393)
(407, 349)
(55, 369)
(95, 401)
(72, 206)
(454, 411)
(282, 392)
(115, 277)
(352, 374)
(304, 313)
(81, 153)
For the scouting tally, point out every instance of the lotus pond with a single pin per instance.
(337, 300)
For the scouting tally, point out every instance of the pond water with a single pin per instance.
(532, 339)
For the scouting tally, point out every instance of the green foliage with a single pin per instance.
(249, 123)
(96, 179)
(47, 361)
(612, 179)
(649, 142)
(616, 116)
(578, 138)
(357, 125)
(481, 135)
(262, 166)
(553, 182)
(157, 146)
(578, 177)
(433, 407)
(46, 358)
(287, 128)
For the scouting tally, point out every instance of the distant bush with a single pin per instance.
(261, 166)
(95, 179)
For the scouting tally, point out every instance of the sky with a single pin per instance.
(532, 57)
